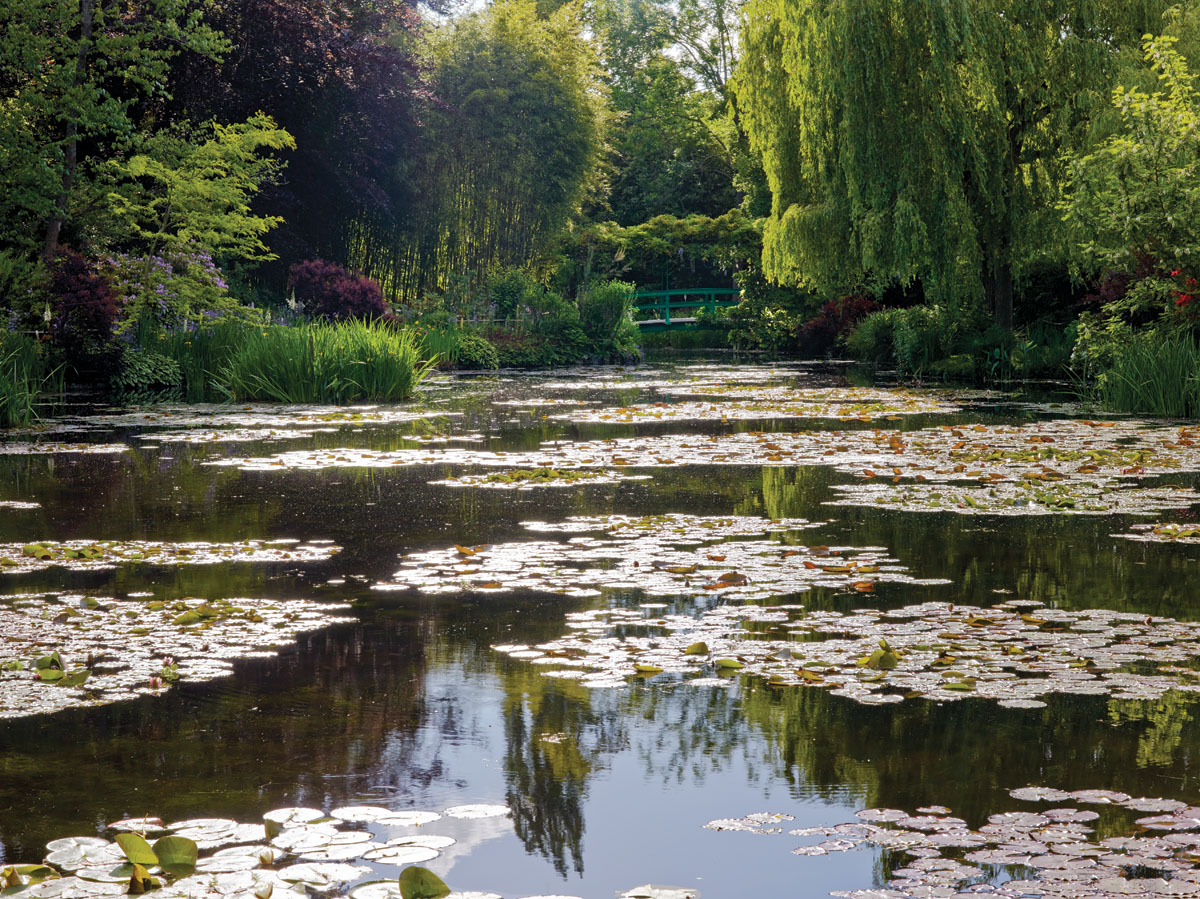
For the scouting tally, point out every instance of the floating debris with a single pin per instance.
(662, 555)
(1014, 654)
(17, 504)
(91, 555)
(1052, 854)
(63, 651)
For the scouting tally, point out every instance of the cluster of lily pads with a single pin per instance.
(67, 650)
(1063, 466)
(661, 555)
(47, 447)
(531, 478)
(756, 402)
(1164, 533)
(1014, 654)
(1052, 853)
(89, 555)
(293, 854)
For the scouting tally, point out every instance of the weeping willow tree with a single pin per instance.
(510, 145)
(921, 140)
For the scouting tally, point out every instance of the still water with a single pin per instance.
(404, 703)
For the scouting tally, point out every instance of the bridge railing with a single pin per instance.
(659, 305)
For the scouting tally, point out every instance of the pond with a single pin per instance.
(619, 605)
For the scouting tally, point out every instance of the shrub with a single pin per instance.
(326, 290)
(829, 330)
(171, 291)
(452, 347)
(606, 316)
(20, 279)
(474, 352)
(873, 339)
(768, 317)
(508, 290)
(146, 376)
(604, 307)
(84, 309)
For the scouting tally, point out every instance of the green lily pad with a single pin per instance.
(421, 883)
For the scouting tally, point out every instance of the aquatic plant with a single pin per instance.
(1053, 853)
(108, 649)
(344, 362)
(1014, 654)
(661, 555)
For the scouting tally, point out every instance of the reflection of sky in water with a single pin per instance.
(641, 813)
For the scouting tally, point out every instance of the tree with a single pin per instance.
(196, 194)
(510, 147)
(72, 72)
(920, 140)
(1135, 200)
(340, 76)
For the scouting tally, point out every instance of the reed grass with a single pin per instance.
(23, 378)
(1155, 373)
(343, 362)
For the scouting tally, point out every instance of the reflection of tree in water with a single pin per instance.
(969, 754)
(554, 739)
(304, 728)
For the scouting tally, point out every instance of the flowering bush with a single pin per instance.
(180, 289)
(326, 290)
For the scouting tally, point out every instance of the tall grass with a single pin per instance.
(352, 361)
(23, 376)
(202, 356)
(1155, 373)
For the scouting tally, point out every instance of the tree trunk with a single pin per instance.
(1000, 290)
(71, 147)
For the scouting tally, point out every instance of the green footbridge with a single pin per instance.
(668, 310)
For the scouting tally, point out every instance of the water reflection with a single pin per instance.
(406, 705)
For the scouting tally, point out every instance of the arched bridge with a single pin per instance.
(662, 310)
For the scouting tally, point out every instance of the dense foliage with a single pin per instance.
(979, 190)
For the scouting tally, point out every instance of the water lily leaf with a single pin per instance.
(74, 678)
(729, 664)
(421, 883)
(136, 849)
(140, 880)
(176, 855)
(697, 649)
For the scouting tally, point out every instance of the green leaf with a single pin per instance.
(697, 649)
(140, 880)
(176, 855)
(731, 664)
(136, 849)
(421, 883)
(74, 678)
